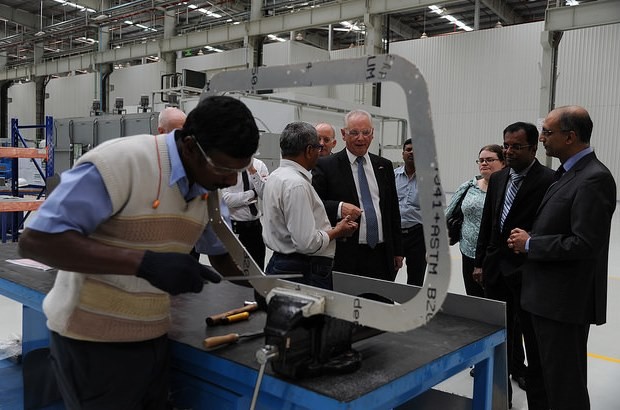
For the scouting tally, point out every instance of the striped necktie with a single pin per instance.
(510, 196)
(372, 226)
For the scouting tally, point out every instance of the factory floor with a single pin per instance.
(603, 346)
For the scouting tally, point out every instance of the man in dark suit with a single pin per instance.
(513, 196)
(361, 185)
(565, 274)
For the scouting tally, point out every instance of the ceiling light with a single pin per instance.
(572, 3)
(424, 35)
(451, 19)
(217, 50)
(275, 38)
(436, 9)
(498, 24)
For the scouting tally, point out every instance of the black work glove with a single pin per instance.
(175, 272)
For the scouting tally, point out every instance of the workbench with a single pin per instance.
(398, 370)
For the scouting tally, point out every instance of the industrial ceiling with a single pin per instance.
(51, 29)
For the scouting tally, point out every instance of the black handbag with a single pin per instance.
(455, 221)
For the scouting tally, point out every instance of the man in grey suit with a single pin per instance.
(565, 275)
(360, 185)
(513, 196)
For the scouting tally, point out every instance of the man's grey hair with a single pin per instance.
(356, 113)
(296, 137)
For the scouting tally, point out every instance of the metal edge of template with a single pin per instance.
(370, 69)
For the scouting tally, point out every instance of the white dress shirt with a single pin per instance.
(238, 200)
(294, 218)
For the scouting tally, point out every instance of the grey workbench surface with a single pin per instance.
(386, 357)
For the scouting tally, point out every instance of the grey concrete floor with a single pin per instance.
(603, 346)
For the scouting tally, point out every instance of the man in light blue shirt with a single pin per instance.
(410, 217)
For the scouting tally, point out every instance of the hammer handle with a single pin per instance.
(217, 319)
(220, 340)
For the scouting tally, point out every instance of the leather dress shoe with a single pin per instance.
(520, 382)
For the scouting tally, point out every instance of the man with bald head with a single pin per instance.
(564, 284)
(327, 138)
(170, 118)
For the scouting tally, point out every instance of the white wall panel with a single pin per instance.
(589, 75)
(277, 53)
(132, 82)
(479, 82)
(21, 107)
(71, 96)
(215, 62)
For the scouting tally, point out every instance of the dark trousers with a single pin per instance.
(316, 270)
(251, 236)
(472, 288)
(102, 376)
(363, 260)
(563, 353)
(415, 254)
(508, 288)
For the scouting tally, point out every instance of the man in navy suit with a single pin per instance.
(375, 249)
(565, 274)
(513, 196)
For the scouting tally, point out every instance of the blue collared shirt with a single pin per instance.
(82, 188)
(569, 163)
(408, 199)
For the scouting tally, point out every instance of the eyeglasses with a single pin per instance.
(355, 133)
(316, 146)
(487, 160)
(217, 169)
(547, 133)
(516, 147)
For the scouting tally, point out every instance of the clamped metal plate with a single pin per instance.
(371, 69)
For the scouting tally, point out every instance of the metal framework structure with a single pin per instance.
(52, 37)
(422, 307)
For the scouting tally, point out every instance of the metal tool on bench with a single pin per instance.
(314, 309)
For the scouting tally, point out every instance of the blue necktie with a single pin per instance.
(510, 196)
(372, 226)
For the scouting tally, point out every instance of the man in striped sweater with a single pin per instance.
(119, 228)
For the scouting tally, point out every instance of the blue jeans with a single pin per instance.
(316, 270)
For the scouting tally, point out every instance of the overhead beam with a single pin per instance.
(503, 11)
(585, 15)
(403, 30)
(91, 4)
(318, 16)
(19, 16)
